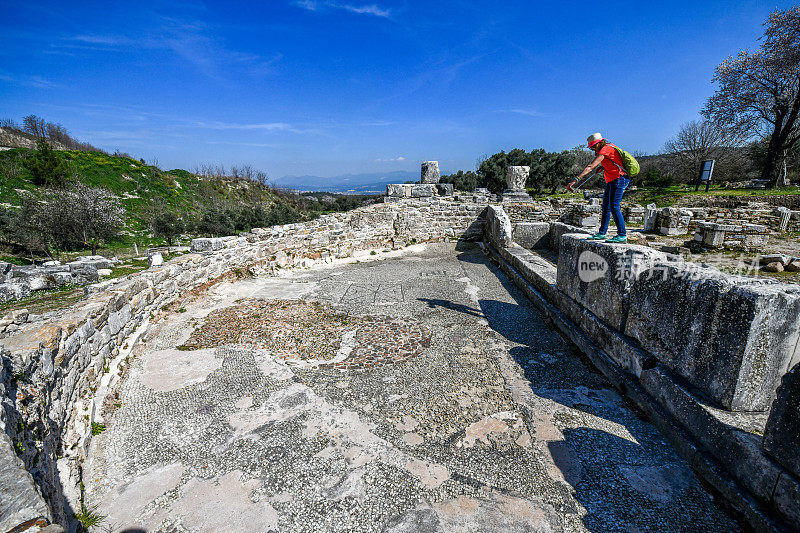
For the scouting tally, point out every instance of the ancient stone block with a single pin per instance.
(445, 189)
(731, 337)
(207, 245)
(423, 190)
(396, 190)
(532, 234)
(783, 214)
(672, 221)
(430, 172)
(498, 226)
(599, 275)
(98, 261)
(782, 434)
(786, 498)
(21, 499)
(155, 260)
(84, 272)
(582, 216)
(557, 229)
(772, 258)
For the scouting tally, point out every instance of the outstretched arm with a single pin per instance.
(593, 165)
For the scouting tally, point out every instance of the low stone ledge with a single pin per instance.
(738, 450)
(782, 434)
(731, 337)
(727, 456)
(604, 291)
(542, 275)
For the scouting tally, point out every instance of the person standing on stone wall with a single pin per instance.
(616, 182)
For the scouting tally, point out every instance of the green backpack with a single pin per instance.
(630, 164)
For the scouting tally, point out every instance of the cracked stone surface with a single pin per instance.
(494, 423)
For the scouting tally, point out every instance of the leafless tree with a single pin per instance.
(35, 126)
(760, 91)
(9, 123)
(58, 134)
(698, 141)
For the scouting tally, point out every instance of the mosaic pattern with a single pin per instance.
(300, 331)
(385, 340)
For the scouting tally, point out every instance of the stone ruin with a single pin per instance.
(711, 359)
(19, 281)
(428, 186)
(746, 227)
(516, 178)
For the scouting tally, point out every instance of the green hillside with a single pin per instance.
(137, 185)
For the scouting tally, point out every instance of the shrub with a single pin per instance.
(45, 167)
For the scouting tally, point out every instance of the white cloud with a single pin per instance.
(268, 126)
(370, 9)
(36, 82)
(527, 112)
(190, 39)
(393, 159)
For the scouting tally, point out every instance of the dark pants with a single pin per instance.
(611, 200)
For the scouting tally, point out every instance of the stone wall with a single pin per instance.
(54, 369)
(679, 221)
(18, 281)
(700, 352)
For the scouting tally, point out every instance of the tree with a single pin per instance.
(97, 214)
(165, 224)
(35, 126)
(463, 181)
(492, 171)
(215, 221)
(45, 167)
(45, 223)
(760, 91)
(56, 220)
(280, 214)
(698, 141)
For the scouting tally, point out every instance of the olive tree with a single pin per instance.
(760, 91)
(55, 220)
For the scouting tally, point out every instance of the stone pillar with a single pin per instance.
(515, 181)
(650, 217)
(785, 214)
(430, 172)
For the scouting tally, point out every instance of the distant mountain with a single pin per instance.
(374, 182)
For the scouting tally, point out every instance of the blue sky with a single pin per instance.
(326, 87)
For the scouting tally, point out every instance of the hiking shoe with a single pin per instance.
(619, 239)
(598, 237)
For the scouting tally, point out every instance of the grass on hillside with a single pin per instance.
(136, 184)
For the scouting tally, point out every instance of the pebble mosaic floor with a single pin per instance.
(420, 394)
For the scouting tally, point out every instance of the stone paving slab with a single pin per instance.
(495, 425)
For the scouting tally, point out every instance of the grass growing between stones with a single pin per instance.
(45, 300)
(89, 517)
